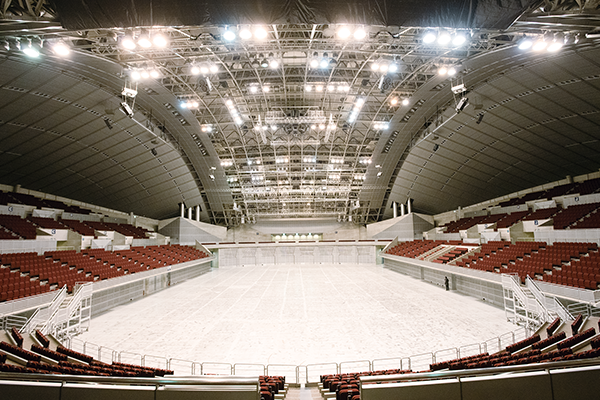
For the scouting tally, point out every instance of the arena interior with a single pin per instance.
(275, 200)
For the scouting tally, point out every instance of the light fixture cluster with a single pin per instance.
(310, 159)
(321, 62)
(394, 101)
(205, 68)
(359, 177)
(144, 40)
(262, 61)
(245, 33)
(346, 32)
(380, 125)
(365, 161)
(281, 160)
(206, 128)
(358, 104)
(541, 44)
(384, 66)
(226, 163)
(341, 87)
(337, 160)
(235, 114)
(446, 70)
(256, 88)
(146, 72)
(446, 38)
(33, 47)
(190, 104)
(260, 127)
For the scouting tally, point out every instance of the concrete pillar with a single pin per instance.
(190, 212)
(198, 213)
(402, 210)
(182, 208)
(459, 212)
(408, 206)
(395, 208)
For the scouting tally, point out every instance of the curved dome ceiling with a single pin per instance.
(300, 123)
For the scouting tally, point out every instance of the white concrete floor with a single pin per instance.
(297, 314)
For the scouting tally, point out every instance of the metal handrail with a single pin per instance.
(554, 305)
(420, 376)
(50, 311)
(405, 363)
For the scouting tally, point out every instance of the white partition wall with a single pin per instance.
(342, 252)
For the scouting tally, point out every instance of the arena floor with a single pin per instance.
(297, 314)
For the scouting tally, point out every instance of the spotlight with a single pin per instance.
(314, 63)
(442, 71)
(539, 45)
(343, 33)
(555, 46)
(324, 63)
(264, 63)
(360, 34)
(126, 108)
(444, 38)
(245, 34)
(393, 67)
(429, 37)
(459, 39)
(135, 75)
(195, 70)
(274, 64)
(525, 44)
(260, 33)
(451, 71)
(31, 51)
(229, 35)
(374, 66)
(394, 101)
(462, 103)
(213, 69)
(128, 42)
(159, 40)
(144, 41)
(61, 49)
(405, 102)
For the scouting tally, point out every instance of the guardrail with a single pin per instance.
(296, 374)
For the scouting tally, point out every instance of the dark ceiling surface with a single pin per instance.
(531, 117)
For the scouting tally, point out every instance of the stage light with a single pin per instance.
(135, 75)
(459, 39)
(245, 34)
(154, 74)
(144, 74)
(539, 45)
(144, 41)
(31, 50)
(128, 42)
(444, 38)
(442, 71)
(375, 66)
(405, 102)
(394, 101)
(360, 34)
(229, 35)
(308, 88)
(260, 33)
(393, 67)
(451, 71)
(429, 37)
(61, 49)
(314, 63)
(344, 32)
(525, 44)
(324, 63)
(195, 70)
(213, 69)
(264, 63)
(555, 46)
(159, 40)
(273, 64)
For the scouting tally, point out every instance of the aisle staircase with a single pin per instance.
(67, 314)
(303, 393)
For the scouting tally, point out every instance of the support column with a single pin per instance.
(190, 212)
(408, 206)
(402, 210)
(395, 208)
(198, 213)
(182, 208)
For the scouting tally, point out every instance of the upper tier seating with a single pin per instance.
(27, 199)
(19, 226)
(27, 274)
(568, 216)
